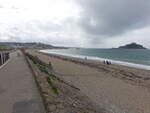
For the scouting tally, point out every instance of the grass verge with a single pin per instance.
(45, 69)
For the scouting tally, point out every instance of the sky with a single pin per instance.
(76, 23)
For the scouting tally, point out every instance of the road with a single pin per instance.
(18, 90)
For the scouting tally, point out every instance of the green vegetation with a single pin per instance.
(54, 88)
(45, 69)
(3, 47)
(49, 78)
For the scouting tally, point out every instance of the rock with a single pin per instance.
(52, 107)
(132, 46)
(60, 106)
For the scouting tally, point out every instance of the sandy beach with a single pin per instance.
(120, 89)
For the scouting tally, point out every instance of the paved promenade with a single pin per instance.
(18, 91)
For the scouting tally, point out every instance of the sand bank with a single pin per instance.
(118, 88)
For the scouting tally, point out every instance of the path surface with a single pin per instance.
(18, 91)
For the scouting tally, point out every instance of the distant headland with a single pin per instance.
(29, 45)
(132, 46)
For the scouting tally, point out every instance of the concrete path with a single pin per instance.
(18, 90)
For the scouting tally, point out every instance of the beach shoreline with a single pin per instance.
(98, 59)
(130, 74)
(126, 88)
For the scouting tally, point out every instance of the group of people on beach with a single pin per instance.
(107, 62)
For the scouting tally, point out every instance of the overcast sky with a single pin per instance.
(80, 23)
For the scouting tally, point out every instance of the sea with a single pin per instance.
(139, 58)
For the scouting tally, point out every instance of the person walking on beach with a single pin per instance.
(107, 62)
(104, 62)
(85, 58)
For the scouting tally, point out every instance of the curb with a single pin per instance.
(36, 81)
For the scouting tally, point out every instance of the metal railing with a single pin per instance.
(4, 56)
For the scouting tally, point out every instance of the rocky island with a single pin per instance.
(132, 46)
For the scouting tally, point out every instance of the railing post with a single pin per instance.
(0, 59)
(4, 56)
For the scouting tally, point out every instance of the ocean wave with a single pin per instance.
(123, 63)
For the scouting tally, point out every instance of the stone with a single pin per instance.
(60, 106)
(52, 107)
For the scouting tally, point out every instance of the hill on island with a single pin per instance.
(132, 46)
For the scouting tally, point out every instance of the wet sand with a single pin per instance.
(117, 88)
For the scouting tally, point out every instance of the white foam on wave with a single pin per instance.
(139, 66)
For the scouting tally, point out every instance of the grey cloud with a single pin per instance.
(1, 6)
(98, 20)
(40, 31)
(113, 17)
(49, 26)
